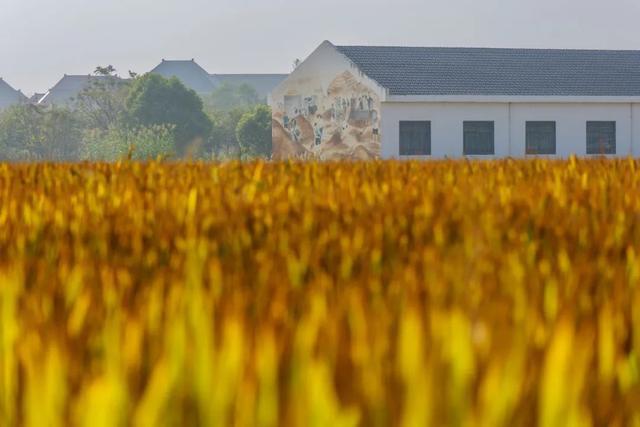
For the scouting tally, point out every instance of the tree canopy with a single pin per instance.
(154, 100)
(140, 118)
(102, 103)
(29, 132)
(254, 132)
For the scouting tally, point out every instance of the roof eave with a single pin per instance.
(514, 99)
(385, 90)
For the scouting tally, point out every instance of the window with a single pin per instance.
(601, 137)
(415, 138)
(541, 138)
(478, 138)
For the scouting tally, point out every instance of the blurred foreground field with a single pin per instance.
(320, 294)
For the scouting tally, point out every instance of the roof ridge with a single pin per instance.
(487, 48)
(180, 61)
(90, 76)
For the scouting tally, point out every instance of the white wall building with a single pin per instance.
(403, 102)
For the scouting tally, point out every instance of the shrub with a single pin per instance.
(142, 143)
(254, 132)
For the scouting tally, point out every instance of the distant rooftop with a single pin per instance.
(68, 88)
(489, 71)
(9, 95)
(192, 75)
(189, 72)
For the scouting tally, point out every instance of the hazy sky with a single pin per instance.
(40, 40)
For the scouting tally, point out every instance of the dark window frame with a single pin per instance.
(596, 131)
(530, 131)
(407, 128)
(471, 128)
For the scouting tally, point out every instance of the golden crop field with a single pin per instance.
(501, 293)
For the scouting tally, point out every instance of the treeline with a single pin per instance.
(144, 117)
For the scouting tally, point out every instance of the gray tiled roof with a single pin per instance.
(483, 71)
(262, 83)
(9, 96)
(195, 77)
(188, 72)
(67, 89)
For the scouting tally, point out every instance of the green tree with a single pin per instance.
(102, 103)
(254, 132)
(222, 142)
(19, 131)
(61, 135)
(154, 100)
(109, 70)
(29, 132)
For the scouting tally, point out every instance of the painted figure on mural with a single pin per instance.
(318, 133)
(295, 131)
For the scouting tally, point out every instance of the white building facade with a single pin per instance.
(451, 103)
(510, 118)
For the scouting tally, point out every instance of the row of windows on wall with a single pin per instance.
(479, 138)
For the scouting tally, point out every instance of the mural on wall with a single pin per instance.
(342, 122)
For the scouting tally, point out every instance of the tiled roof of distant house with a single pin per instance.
(193, 76)
(36, 97)
(68, 88)
(188, 72)
(484, 71)
(9, 96)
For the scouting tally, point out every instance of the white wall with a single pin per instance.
(447, 125)
(571, 126)
(636, 129)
